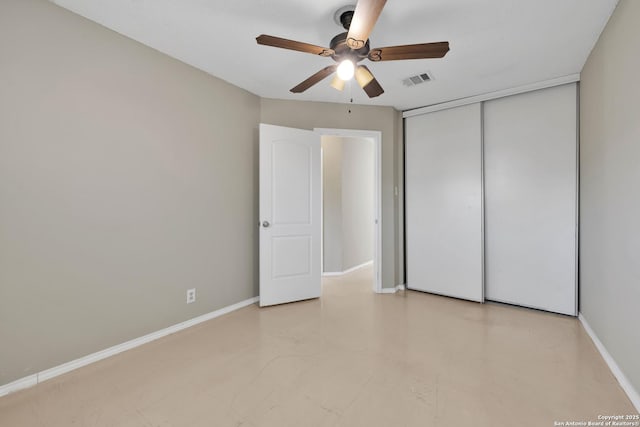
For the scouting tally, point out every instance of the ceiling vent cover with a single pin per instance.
(416, 80)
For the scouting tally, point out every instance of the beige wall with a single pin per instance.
(610, 178)
(310, 115)
(331, 205)
(126, 177)
(358, 188)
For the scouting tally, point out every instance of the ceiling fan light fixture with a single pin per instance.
(337, 83)
(363, 76)
(346, 69)
(348, 48)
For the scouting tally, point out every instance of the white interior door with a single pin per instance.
(290, 216)
(444, 203)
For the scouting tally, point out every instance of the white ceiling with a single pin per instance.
(495, 44)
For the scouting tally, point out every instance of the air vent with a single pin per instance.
(416, 80)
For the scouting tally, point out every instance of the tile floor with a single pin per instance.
(351, 358)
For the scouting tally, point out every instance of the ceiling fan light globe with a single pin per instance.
(337, 83)
(346, 69)
(363, 76)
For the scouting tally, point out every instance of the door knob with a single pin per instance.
(265, 224)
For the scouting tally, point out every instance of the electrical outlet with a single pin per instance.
(191, 295)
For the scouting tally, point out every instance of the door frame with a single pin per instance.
(376, 136)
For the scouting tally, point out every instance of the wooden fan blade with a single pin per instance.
(409, 51)
(372, 88)
(364, 18)
(317, 77)
(266, 40)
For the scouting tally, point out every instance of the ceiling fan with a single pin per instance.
(349, 48)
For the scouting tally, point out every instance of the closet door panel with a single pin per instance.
(444, 202)
(531, 199)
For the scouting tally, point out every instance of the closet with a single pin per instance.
(491, 200)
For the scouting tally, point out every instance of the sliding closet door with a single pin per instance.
(444, 202)
(531, 199)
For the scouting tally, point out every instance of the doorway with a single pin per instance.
(351, 202)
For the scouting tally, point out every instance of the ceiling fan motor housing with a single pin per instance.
(343, 51)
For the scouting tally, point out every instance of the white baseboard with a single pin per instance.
(351, 270)
(47, 374)
(20, 384)
(392, 290)
(626, 385)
